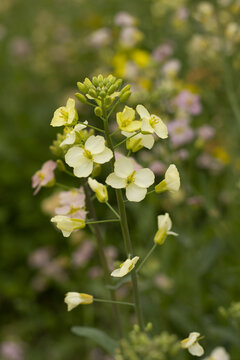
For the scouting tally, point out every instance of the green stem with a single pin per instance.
(125, 231)
(112, 209)
(112, 109)
(115, 132)
(101, 221)
(92, 127)
(123, 141)
(108, 280)
(146, 257)
(113, 302)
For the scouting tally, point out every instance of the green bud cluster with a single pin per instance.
(102, 89)
(140, 345)
(55, 148)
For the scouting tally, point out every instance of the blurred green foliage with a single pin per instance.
(44, 52)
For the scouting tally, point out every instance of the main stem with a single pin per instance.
(103, 259)
(125, 232)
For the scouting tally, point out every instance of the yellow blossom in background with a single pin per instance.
(126, 120)
(67, 225)
(191, 343)
(99, 189)
(125, 267)
(65, 115)
(73, 299)
(141, 57)
(164, 227)
(152, 123)
(171, 181)
(119, 62)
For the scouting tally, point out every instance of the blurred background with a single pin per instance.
(182, 60)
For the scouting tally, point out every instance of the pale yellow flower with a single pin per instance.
(191, 343)
(99, 189)
(67, 225)
(152, 123)
(138, 141)
(126, 120)
(135, 182)
(71, 135)
(164, 227)
(83, 158)
(219, 353)
(73, 299)
(171, 181)
(65, 115)
(125, 267)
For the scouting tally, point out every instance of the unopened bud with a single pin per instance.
(124, 97)
(96, 170)
(98, 111)
(111, 89)
(118, 83)
(108, 101)
(83, 88)
(81, 98)
(88, 83)
(92, 93)
(126, 88)
(95, 81)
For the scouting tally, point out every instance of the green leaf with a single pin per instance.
(100, 337)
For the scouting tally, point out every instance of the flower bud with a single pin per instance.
(126, 88)
(100, 78)
(83, 88)
(108, 101)
(99, 189)
(81, 98)
(125, 96)
(73, 299)
(92, 93)
(111, 89)
(96, 170)
(118, 83)
(88, 83)
(98, 111)
(95, 81)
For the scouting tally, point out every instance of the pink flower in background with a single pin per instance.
(183, 154)
(188, 102)
(207, 161)
(83, 253)
(10, 350)
(20, 47)
(162, 52)
(100, 37)
(40, 257)
(124, 19)
(206, 132)
(158, 167)
(44, 176)
(182, 13)
(72, 203)
(180, 132)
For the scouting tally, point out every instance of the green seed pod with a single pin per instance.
(92, 93)
(118, 83)
(111, 89)
(81, 98)
(95, 81)
(98, 111)
(124, 97)
(83, 88)
(126, 88)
